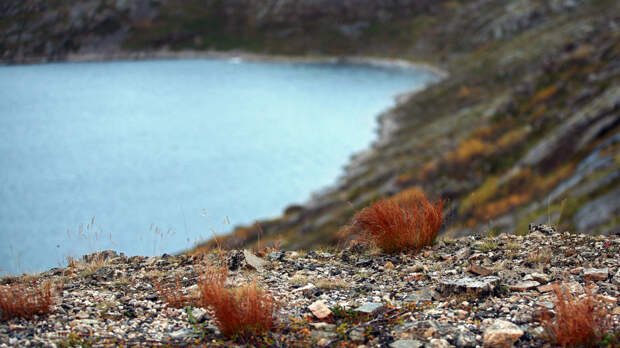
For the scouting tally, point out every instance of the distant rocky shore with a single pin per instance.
(376, 62)
(468, 292)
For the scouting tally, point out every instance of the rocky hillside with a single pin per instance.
(36, 30)
(467, 292)
(524, 129)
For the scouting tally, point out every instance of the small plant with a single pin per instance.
(244, 312)
(332, 284)
(25, 300)
(487, 245)
(403, 223)
(540, 256)
(577, 322)
(173, 294)
(348, 315)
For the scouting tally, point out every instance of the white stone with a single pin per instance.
(596, 273)
(406, 344)
(320, 310)
(501, 334)
(254, 261)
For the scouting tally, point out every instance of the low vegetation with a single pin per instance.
(402, 223)
(26, 300)
(173, 294)
(578, 322)
(244, 312)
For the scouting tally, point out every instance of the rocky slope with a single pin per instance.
(525, 128)
(465, 292)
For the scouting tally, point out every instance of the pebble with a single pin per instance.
(320, 310)
(501, 334)
(406, 344)
(369, 308)
(525, 285)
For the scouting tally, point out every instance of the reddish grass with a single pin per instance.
(25, 300)
(578, 322)
(173, 294)
(244, 312)
(403, 223)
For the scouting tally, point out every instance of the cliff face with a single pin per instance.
(35, 30)
(524, 129)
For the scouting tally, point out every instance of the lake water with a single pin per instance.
(162, 153)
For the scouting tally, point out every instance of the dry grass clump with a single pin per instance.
(173, 294)
(578, 322)
(402, 223)
(243, 312)
(26, 300)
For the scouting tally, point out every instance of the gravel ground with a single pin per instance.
(467, 292)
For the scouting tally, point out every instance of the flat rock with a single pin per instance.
(406, 344)
(276, 256)
(308, 286)
(179, 334)
(424, 295)
(524, 286)
(479, 270)
(541, 278)
(253, 261)
(616, 278)
(545, 288)
(369, 307)
(596, 273)
(320, 310)
(481, 286)
(501, 334)
(439, 343)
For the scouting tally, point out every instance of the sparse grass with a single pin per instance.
(578, 322)
(89, 266)
(26, 300)
(513, 246)
(332, 284)
(539, 256)
(245, 312)
(403, 223)
(173, 294)
(487, 245)
(300, 280)
(448, 240)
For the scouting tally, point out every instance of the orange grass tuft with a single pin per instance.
(173, 294)
(578, 322)
(244, 312)
(26, 300)
(402, 223)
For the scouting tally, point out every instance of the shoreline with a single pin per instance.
(371, 61)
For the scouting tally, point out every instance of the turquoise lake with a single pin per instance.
(163, 153)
